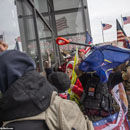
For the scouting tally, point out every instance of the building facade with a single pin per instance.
(42, 21)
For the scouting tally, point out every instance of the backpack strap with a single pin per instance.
(40, 116)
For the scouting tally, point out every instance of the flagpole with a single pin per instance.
(102, 32)
(3, 37)
(122, 22)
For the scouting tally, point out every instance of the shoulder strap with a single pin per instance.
(40, 116)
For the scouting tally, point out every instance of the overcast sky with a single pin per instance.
(107, 11)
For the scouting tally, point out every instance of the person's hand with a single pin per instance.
(3, 46)
(71, 86)
(77, 70)
(128, 72)
(48, 52)
(126, 75)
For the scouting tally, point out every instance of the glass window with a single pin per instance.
(45, 36)
(66, 4)
(29, 29)
(69, 23)
(41, 5)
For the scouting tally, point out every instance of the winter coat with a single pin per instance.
(28, 96)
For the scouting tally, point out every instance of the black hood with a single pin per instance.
(28, 96)
(13, 65)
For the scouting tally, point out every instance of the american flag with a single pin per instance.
(61, 24)
(121, 36)
(117, 121)
(126, 20)
(106, 26)
(18, 39)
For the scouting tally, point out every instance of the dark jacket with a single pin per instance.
(114, 79)
(98, 93)
(28, 96)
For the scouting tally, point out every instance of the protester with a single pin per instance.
(28, 96)
(123, 74)
(97, 100)
(67, 57)
(81, 53)
(61, 81)
(76, 89)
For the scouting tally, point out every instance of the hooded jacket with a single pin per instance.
(28, 95)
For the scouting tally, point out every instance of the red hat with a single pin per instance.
(82, 50)
(70, 65)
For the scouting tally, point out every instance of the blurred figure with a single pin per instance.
(77, 88)
(61, 81)
(3, 46)
(81, 53)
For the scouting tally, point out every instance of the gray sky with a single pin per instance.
(107, 11)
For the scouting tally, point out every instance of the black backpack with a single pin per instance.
(97, 96)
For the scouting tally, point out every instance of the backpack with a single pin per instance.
(97, 96)
(62, 114)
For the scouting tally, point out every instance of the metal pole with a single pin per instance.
(83, 14)
(122, 22)
(56, 47)
(102, 32)
(37, 40)
(80, 44)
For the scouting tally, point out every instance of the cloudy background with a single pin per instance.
(99, 10)
(107, 11)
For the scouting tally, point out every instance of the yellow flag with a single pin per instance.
(74, 76)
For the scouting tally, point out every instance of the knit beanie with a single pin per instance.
(60, 80)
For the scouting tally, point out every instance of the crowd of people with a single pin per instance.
(32, 101)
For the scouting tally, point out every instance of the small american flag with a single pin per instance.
(121, 36)
(106, 26)
(126, 20)
(18, 39)
(120, 33)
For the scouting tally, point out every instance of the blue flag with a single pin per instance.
(89, 39)
(103, 59)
